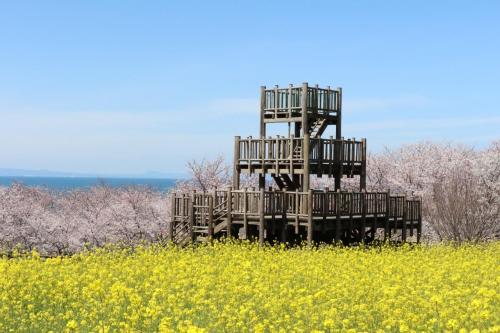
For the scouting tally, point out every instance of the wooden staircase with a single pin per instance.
(317, 128)
(207, 221)
(315, 131)
(284, 182)
(181, 233)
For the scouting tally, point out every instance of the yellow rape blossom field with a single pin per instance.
(241, 287)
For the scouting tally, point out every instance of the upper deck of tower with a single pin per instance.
(289, 104)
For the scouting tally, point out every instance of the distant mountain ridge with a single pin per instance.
(11, 172)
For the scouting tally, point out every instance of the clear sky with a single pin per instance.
(130, 86)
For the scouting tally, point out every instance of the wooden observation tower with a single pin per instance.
(291, 210)
(290, 160)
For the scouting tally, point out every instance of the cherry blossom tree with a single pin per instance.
(459, 187)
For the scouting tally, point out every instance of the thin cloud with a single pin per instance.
(360, 105)
(427, 123)
(235, 106)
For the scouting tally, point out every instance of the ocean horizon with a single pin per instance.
(71, 183)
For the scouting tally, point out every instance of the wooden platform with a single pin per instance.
(290, 104)
(286, 156)
(314, 216)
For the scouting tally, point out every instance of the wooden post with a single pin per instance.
(171, 224)
(276, 101)
(362, 177)
(403, 230)
(375, 216)
(325, 206)
(184, 210)
(261, 217)
(261, 151)
(297, 225)
(324, 210)
(351, 207)
(393, 225)
(305, 118)
(387, 210)
(310, 218)
(245, 208)
(306, 175)
(262, 112)
(338, 227)
(315, 99)
(419, 226)
(210, 216)
(229, 217)
(363, 217)
(284, 219)
(262, 179)
(339, 162)
(271, 226)
(236, 170)
(412, 214)
(191, 219)
(338, 130)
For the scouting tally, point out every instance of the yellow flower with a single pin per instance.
(241, 287)
(71, 325)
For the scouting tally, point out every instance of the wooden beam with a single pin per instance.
(191, 219)
(236, 170)
(351, 207)
(305, 116)
(363, 217)
(419, 226)
(284, 220)
(305, 183)
(411, 214)
(245, 208)
(229, 216)
(338, 227)
(338, 131)
(171, 223)
(387, 209)
(362, 177)
(262, 181)
(339, 156)
(403, 229)
(310, 226)
(297, 225)
(262, 107)
(210, 216)
(261, 216)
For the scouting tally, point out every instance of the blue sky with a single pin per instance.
(119, 87)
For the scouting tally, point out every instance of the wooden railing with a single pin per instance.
(181, 206)
(196, 217)
(343, 151)
(290, 150)
(324, 203)
(287, 102)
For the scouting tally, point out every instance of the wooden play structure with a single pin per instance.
(290, 211)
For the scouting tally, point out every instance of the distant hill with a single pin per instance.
(9, 172)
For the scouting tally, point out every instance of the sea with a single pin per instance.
(71, 183)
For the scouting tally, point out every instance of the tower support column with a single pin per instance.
(306, 175)
(362, 176)
(262, 181)
(262, 108)
(236, 171)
